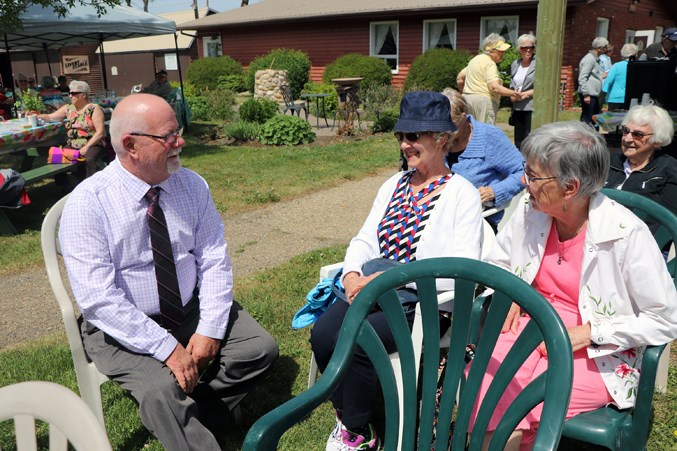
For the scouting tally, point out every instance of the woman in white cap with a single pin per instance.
(483, 86)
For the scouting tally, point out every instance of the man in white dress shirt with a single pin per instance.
(184, 376)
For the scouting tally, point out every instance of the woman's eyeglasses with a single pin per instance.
(531, 47)
(74, 93)
(170, 138)
(533, 179)
(411, 136)
(635, 133)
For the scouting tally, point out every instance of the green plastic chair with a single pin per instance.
(553, 386)
(628, 429)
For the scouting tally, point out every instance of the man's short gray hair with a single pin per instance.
(654, 117)
(79, 86)
(599, 42)
(122, 124)
(570, 151)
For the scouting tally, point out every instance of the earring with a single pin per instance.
(564, 206)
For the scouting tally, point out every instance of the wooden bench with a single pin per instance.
(32, 176)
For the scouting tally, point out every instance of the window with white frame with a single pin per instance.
(384, 43)
(211, 46)
(506, 26)
(439, 34)
(602, 27)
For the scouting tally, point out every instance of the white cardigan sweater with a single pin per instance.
(626, 292)
(454, 228)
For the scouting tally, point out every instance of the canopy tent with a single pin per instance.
(43, 29)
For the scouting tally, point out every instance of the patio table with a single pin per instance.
(15, 136)
(319, 100)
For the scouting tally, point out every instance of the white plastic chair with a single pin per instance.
(136, 88)
(70, 419)
(88, 377)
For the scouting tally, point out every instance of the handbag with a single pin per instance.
(408, 296)
(318, 300)
(511, 119)
(63, 155)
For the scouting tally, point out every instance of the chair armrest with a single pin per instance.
(647, 382)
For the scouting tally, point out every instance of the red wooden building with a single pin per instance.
(399, 31)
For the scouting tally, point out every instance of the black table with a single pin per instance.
(320, 107)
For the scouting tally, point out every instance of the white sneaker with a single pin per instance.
(334, 440)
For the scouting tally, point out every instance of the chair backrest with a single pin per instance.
(553, 387)
(88, 377)
(287, 95)
(69, 418)
(645, 208)
(136, 88)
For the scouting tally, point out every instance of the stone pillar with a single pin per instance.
(267, 84)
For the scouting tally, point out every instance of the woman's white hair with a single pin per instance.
(599, 42)
(654, 117)
(527, 38)
(491, 41)
(570, 151)
(629, 50)
(79, 86)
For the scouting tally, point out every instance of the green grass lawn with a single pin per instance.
(272, 297)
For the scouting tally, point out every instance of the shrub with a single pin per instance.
(436, 69)
(295, 62)
(330, 103)
(204, 73)
(385, 120)
(284, 130)
(258, 110)
(242, 130)
(235, 83)
(374, 71)
(212, 106)
(504, 72)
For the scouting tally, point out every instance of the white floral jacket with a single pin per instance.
(626, 292)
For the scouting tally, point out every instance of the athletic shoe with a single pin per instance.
(335, 436)
(348, 441)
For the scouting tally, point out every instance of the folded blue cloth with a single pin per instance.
(318, 301)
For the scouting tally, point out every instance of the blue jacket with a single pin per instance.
(492, 160)
(614, 84)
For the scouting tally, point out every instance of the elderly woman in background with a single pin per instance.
(594, 261)
(590, 79)
(51, 96)
(422, 213)
(614, 83)
(522, 73)
(485, 156)
(85, 129)
(482, 85)
(643, 168)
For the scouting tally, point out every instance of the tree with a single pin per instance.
(11, 10)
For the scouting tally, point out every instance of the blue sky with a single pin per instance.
(166, 6)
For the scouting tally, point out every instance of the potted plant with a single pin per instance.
(32, 103)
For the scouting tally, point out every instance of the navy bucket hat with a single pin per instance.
(425, 111)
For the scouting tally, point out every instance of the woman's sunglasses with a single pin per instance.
(635, 133)
(531, 47)
(410, 136)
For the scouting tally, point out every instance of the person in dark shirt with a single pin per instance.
(666, 48)
(644, 168)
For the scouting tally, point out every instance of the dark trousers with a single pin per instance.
(589, 110)
(522, 123)
(177, 419)
(355, 395)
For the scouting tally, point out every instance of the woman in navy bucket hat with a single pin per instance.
(424, 212)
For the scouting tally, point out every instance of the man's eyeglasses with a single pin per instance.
(635, 133)
(533, 179)
(410, 136)
(74, 93)
(169, 138)
(531, 47)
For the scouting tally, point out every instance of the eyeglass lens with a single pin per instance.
(411, 137)
(531, 47)
(635, 133)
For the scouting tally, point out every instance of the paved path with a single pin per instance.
(257, 240)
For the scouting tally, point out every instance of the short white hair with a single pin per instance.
(490, 42)
(629, 50)
(79, 86)
(599, 42)
(654, 117)
(526, 38)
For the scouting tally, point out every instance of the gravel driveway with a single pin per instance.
(257, 240)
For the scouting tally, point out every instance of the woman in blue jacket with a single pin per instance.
(614, 84)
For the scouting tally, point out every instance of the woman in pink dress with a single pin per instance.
(594, 261)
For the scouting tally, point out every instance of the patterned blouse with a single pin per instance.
(400, 229)
(80, 127)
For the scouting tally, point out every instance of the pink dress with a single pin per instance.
(559, 283)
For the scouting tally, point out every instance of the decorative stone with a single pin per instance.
(268, 82)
